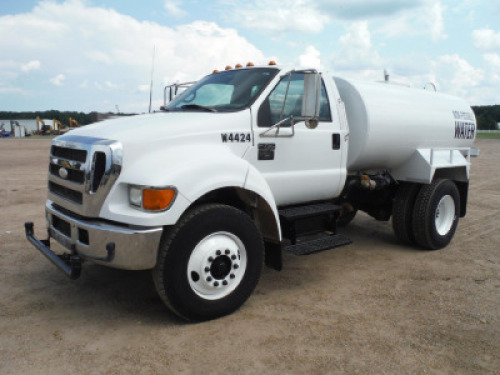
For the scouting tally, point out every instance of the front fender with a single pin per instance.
(193, 171)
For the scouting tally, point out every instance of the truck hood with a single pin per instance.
(165, 126)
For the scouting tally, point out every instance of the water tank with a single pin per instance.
(388, 122)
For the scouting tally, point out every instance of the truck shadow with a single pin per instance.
(128, 294)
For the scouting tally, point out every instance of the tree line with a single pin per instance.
(487, 116)
(63, 117)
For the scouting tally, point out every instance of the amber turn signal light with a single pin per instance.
(157, 199)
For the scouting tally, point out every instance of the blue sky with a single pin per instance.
(90, 55)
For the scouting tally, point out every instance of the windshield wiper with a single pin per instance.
(197, 106)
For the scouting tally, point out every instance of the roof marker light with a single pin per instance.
(250, 64)
(229, 67)
(272, 62)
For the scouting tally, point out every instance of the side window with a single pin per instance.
(274, 109)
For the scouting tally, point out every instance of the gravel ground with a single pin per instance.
(373, 307)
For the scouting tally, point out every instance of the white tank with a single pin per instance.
(388, 122)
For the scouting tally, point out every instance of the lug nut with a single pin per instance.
(232, 276)
(236, 266)
(209, 279)
(218, 252)
(224, 282)
(227, 252)
(233, 257)
(210, 259)
(216, 284)
(207, 269)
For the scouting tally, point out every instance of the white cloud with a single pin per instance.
(310, 16)
(493, 60)
(426, 20)
(357, 52)
(364, 9)
(492, 64)
(310, 58)
(280, 15)
(10, 90)
(486, 39)
(143, 88)
(111, 85)
(357, 37)
(99, 49)
(173, 8)
(58, 80)
(31, 65)
(456, 75)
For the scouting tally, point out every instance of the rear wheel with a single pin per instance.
(435, 217)
(209, 263)
(402, 211)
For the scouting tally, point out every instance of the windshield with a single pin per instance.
(231, 90)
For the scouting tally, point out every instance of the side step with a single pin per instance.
(301, 212)
(319, 244)
(300, 220)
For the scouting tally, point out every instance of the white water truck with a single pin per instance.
(247, 163)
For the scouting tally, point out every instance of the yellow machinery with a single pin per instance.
(73, 123)
(57, 125)
(43, 129)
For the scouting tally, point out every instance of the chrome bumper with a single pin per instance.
(135, 248)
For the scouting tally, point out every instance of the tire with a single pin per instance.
(347, 215)
(209, 262)
(402, 212)
(435, 217)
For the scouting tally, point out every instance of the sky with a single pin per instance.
(97, 55)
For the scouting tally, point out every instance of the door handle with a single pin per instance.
(336, 141)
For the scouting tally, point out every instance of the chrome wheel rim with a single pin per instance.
(445, 215)
(217, 265)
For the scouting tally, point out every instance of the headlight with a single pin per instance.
(135, 196)
(151, 198)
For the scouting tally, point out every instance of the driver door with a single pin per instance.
(300, 164)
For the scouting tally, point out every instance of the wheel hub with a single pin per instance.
(445, 215)
(217, 265)
(221, 267)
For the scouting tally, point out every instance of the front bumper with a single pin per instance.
(109, 244)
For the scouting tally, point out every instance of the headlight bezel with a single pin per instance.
(151, 198)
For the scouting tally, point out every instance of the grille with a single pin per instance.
(66, 193)
(82, 171)
(69, 153)
(99, 167)
(73, 174)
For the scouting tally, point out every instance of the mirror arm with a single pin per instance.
(277, 126)
(286, 94)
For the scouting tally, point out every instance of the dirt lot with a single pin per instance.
(374, 307)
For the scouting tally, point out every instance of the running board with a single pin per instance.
(319, 244)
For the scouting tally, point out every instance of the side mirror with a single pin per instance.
(311, 99)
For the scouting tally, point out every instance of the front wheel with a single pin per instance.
(435, 215)
(209, 263)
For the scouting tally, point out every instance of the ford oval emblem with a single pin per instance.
(63, 172)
